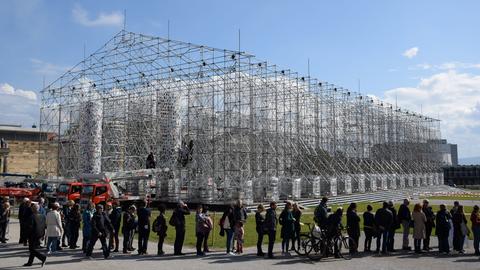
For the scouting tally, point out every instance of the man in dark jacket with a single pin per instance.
(24, 217)
(443, 229)
(404, 217)
(384, 220)
(178, 220)
(429, 225)
(101, 226)
(270, 224)
(395, 225)
(369, 227)
(115, 217)
(37, 232)
(160, 226)
(334, 223)
(143, 228)
(321, 213)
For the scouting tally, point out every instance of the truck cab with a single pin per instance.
(69, 191)
(96, 193)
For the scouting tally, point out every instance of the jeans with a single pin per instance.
(476, 239)
(368, 239)
(52, 243)
(417, 243)
(161, 239)
(383, 235)
(3, 230)
(229, 234)
(406, 231)
(72, 240)
(205, 242)
(443, 245)
(428, 232)
(127, 236)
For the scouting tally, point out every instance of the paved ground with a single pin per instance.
(13, 256)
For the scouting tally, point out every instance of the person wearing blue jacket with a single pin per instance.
(87, 225)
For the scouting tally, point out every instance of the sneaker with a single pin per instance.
(232, 253)
(89, 258)
(160, 253)
(287, 254)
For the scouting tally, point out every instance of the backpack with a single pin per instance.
(316, 214)
(156, 226)
(173, 220)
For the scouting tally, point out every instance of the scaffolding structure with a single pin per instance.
(226, 125)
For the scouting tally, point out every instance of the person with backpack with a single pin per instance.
(178, 221)
(128, 229)
(227, 228)
(321, 213)
(160, 227)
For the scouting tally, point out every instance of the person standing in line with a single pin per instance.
(297, 215)
(353, 227)
(240, 235)
(143, 214)
(460, 229)
(87, 225)
(368, 228)
(419, 220)
(271, 227)
(42, 210)
(286, 220)
(178, 221)
(54, 228)
(199, 230)
(228, 226)
(395, 225)
(429, 225)
(475, 219)
(4, 218)
(24, 217)
(384, 220)
(443, 228)
(128, 229)
(115, 218)
(334, 224)
(160, 227)
(321, 213)
(65, 222)
(207, 229)
(74, 220)
(405, 218)
(259, 227)
(456, 204)
(37, 221)
(239, 216)
(100, 227)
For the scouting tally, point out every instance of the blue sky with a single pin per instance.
(423, 52)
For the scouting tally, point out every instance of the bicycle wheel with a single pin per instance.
(301, 249)
(314, 249)
(344, 244)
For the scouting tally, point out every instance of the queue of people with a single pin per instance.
(58, 226)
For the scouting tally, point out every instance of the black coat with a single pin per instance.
(384, 218)
(180, 213)
(116, 217)
(353, 223)
(404, 213)
(443, 225)
(129, 222)
(395, 222)
(228, 214)
(430, 216)
(259, 221)
(271, 220)
(101, 224)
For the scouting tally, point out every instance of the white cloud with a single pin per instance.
(80, 15)
(410, 53)
(452, 97)
(7, 89)
(46, 68)
(18, 106)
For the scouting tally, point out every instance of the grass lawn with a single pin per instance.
(466, 197)
(216, 241)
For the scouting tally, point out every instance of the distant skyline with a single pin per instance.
(424, 54)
